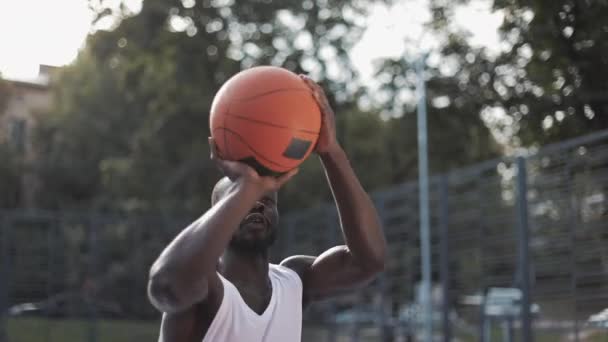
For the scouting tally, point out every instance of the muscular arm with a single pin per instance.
(185, 270)
(358, 217)
(363, 256)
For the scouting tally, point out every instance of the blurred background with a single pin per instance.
(104, 158)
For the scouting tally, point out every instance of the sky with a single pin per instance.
(40, 32)
(52, 32)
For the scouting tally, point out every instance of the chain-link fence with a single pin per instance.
(525, 233)
(519, 252)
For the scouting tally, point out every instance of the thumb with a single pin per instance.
(286, 177)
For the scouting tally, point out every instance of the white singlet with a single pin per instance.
(235, 321)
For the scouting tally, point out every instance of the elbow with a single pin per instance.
(377, 259)
(161, 293)
(374, 264)
(377, 264)
(165, 294)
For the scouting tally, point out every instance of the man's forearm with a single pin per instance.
(358, 216)
(193, 254)
(199, 246)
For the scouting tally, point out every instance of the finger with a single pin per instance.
(317, 91)
(309, 82)
(321, 101)
(246, 169)
(228, 168)
(221, 167)
(211, 148)
(215, 150)
(286, 177)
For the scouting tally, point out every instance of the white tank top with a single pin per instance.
(235, 321)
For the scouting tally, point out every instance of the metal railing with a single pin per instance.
(519, 249)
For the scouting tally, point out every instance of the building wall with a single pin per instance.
(20, 115)
(27, 101)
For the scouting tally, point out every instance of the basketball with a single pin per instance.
(266, 117)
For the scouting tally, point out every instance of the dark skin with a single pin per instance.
(183, 282)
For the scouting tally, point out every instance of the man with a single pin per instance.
(213, 282)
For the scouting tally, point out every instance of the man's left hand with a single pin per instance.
(327, 136)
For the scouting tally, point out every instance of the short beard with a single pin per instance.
(256, 246)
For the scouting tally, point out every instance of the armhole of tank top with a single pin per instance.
(223, 302)
(292, 274)
(225, 287)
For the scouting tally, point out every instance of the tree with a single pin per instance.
(457, 133)
(10, 168)
(561, 46)
(130, 127)
(546, 81)
(5, 93)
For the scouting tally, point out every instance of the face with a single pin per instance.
(258, 230)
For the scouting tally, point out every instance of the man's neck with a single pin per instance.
(245, 267)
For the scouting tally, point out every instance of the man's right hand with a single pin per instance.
(241, 172)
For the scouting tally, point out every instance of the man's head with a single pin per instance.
(257, 232)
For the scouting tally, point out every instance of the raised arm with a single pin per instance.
(185, 271)
(364, 254)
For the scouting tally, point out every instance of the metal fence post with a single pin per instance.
(355, 333)
(508, 330)
(483, 319)
(4, 278)
(523, 239)
(383, 322)
(444, 257)
(571, 215)
(93, 244)
(51, 235)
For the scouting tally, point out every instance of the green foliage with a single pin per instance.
(10, 163)
(5, 93)
(457, 134)
(130, 125)
(40, 329)
(547, 80)
(10, 170)
(568, 43)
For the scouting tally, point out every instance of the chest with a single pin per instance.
(256, 298)
(259, 314)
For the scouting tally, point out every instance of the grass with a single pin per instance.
(544, 336)
(48, 330)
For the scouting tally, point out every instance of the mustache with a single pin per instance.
(265, 214)
(256, 215)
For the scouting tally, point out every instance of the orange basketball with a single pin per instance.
(267, 117)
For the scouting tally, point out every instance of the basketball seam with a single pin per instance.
(252, 97)
(238, 116)
(225, 139)
(250, 147)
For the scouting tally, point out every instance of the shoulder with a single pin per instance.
(300, 264)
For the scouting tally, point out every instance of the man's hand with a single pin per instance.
(327, 136)
(185, 273)
(364, 255)
(238, 171)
